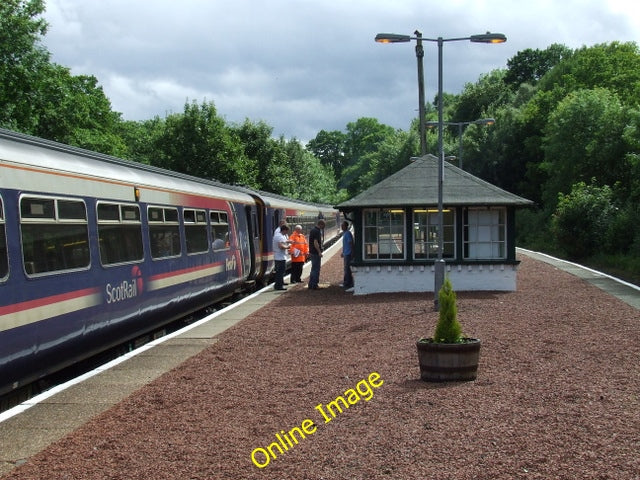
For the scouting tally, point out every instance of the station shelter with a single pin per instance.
(396, 231)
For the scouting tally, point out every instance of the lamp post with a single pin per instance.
(395, 38)
(481, 121)
(480, 38)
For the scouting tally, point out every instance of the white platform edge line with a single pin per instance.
(7, 414)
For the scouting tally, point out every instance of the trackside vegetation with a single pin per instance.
(567, 136)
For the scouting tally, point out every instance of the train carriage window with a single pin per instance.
(164, 232)
(4, 261)
(195, 231)
(220, 230)
(54, 234)
(119, 233)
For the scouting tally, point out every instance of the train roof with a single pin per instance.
(28, 150)
(275, 200)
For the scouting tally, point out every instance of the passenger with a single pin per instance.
(299, 252)
(280, 247)
(219, 243)
(280, 224)
(315, 251)
(347, 255)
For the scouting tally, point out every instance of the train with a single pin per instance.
(96, 251)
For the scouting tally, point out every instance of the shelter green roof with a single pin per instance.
(417, 185)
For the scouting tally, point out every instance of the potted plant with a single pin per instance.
(449, 355)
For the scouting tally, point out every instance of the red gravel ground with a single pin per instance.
(557, 395)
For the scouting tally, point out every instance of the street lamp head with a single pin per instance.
(392, 38)
(488, 38)
(485, 121)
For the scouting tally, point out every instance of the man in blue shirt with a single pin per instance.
(347, 255)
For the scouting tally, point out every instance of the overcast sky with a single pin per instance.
(306, 65)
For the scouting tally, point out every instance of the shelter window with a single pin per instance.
(485, 233)
(425, 233)
(54, 235)
(4, 260)
(384, 234)
(119, 233)
(164, 232)
(195, 231)
(220, 230)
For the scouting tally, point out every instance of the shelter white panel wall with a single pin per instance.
(410, 278)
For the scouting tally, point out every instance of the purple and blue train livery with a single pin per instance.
(96, 251)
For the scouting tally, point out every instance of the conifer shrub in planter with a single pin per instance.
(448, 355)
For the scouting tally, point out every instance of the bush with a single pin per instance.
(448, 329)
(581, 220)
(622, 231)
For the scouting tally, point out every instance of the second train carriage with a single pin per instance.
(294, 212)
(95, 251)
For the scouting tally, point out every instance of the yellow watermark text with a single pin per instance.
(285, 441)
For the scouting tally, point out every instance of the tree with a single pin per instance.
(592, 123)
(615, 66)
(141, 139)
(529, 66)
(363, 138)
(330, 148)
(260, 148)
(581, 219)
(487, 94)
(312, 181)
(22, 60)
(75, 110)
(198, 142)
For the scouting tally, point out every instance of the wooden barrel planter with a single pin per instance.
(444, 362)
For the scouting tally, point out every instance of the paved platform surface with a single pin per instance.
(49, 417)
(37, 423)
(625, 291)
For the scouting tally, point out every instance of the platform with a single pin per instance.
(199, 402)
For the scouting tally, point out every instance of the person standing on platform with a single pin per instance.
(280, 248)
(315, 252)
(347, 255)
(299, 251)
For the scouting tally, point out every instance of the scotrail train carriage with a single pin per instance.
(96, 251)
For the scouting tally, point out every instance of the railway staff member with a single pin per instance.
(315, 251)
(299, 252)
(280, 246)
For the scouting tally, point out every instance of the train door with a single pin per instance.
(277, 216)
(253, 230)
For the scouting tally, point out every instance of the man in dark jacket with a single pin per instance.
(315, 252)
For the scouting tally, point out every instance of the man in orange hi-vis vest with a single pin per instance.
(299, 252)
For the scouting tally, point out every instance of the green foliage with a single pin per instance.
(624, 266)
(592, 122)
(198, 142)
(581, 220)
(22, 60)
(529, 66)
(74, 110)
(363, 140)
(330, 148)
(533, 230)
(448, 329)
(487, 94)
(563, 118)
(615, 66)
(140, 139)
